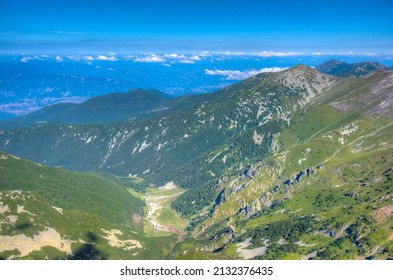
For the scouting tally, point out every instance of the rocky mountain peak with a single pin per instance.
(305, 79)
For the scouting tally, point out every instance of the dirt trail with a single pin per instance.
(154, 205)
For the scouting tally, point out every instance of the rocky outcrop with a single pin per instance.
(305, 172)
(221, 197)
(351, 194)
(237, 188)
(273, 143)
(250, 210)
(219, 240)
(250, 172)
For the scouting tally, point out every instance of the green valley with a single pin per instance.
(51, 213)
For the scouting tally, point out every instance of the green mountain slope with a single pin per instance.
(51, 213)
(115, 107)
(325, 193)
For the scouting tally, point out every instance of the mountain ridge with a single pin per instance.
(114, 107)
(343, 69)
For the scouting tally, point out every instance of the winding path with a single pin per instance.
(153, 208)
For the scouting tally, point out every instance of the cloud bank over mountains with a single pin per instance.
(191, 58)
(241, 75)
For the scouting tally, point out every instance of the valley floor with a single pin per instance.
(160, 215)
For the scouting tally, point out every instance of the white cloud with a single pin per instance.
(349, 53)
(241, 75)
(276, 54)
(26, 59)
(195, 58)
(59, 58)
(88, 58)
(175, 56)
(181, 58)
(149, 59)
(204, 54)
(369, 54)
(106, 58)
(187, 61)
(130, 57)
(72, 57)
(226, 53)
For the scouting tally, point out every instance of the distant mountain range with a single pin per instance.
(288, 165)
(342, 69)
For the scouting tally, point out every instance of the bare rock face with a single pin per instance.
(250, 172)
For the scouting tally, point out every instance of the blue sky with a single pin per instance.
(86, 26)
